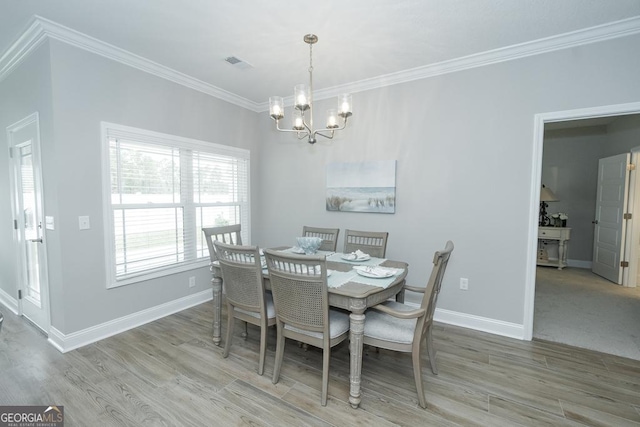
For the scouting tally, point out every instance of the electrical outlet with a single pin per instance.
(83, 223)
(464, 283)
(192, 281)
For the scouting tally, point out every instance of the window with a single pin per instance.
(160, 191)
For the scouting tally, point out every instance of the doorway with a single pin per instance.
(540, 122)
(26, 199)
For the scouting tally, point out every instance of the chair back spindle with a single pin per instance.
(373, 243)
(229, 234)
(329, 236)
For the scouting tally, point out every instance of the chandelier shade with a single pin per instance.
(302, 117)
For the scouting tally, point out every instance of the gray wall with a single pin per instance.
(22, 93)
(464, 143)
(87, 89)
(569, 168)
(624, 134)
(571, 157)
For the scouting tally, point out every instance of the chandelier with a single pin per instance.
(303, 107)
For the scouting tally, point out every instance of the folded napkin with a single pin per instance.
(378, 271)
(358, 254)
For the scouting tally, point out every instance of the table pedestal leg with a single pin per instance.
(355, 346)
(216, 283)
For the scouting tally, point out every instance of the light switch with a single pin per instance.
(48, 223)
(83, 222)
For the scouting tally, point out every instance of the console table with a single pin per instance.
(561, 235)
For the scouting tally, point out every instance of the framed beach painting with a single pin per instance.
(362, 187)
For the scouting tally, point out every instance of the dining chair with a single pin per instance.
(246, 297)
(399, 327)
(299, 287)
(227, 234)
(373, 243)
(329, 236)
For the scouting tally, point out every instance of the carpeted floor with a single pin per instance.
(579, 308)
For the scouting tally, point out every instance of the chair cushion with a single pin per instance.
(271, 311)
(338, 324)
(385, 327)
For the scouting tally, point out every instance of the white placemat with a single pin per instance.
(382, 283)
(337, 257)
(383, 272)
(291, 251)
(339, 278)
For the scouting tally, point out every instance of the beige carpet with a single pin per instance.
(579, 308)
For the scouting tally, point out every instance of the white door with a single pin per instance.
(610, 228)
(24, 148)
(632, 238)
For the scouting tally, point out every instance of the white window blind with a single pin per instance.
(162, 190)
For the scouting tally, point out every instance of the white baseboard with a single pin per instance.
(579, 263)
(10, 302)
(65, 343)
(484, 324)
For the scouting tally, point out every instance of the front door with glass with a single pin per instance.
(32, 290)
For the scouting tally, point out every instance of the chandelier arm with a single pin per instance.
(308, 127)
(344, 125)
(319, 132)
(304, 133)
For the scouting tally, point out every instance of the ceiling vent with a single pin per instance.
(238, 63)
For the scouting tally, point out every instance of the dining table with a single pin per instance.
(349, 290)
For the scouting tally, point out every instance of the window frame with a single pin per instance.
(112, 130)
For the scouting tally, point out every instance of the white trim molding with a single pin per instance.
(477, 323)
(539, 121)
(484, 324)
(27, 43)
(65, 343)
(8, 301)
(578, 263)
(41, 28)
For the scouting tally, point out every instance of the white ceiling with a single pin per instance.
(358, 39)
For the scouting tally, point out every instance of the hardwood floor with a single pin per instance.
(169, 373)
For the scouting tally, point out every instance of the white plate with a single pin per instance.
(385, 275)
(362, 258)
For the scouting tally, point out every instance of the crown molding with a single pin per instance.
(582, 37)
(41, 28)
(28, 41)
(550, 44)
